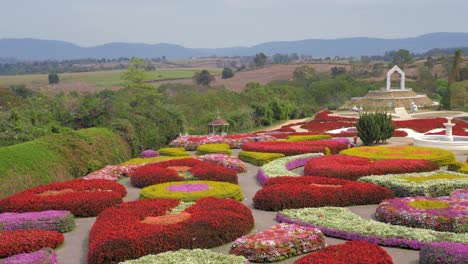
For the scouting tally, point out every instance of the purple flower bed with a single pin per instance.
(149, 153)
(261, 177)
(45, 255)
(444, 252)
(60, 221)
(460, 194)
(294, 164)
(343, 140)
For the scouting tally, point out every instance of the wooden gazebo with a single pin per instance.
(218, 125)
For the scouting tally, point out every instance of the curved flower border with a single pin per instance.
(60, 221)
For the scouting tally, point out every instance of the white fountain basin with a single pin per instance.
(459, 143)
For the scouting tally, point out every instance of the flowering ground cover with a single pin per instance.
(149, 153)
(439, 213)
(296, 138)
(283, 166)
(188, 191)
(143, 161)
(173, 152)
(258, 158)
(26, 241)
(444, 252)
(309, 191)
(352, 168)
(134, 229)
(459, 167)
(460, 194)
(342, 223)
(435, 183)
(111, 172)
(439, 156)
(351, 252)
(60, 221)
(426, 124)
(226, 161)
(213, 148)
(295, 148)
(234, 141)
(180, 170)
(455, 131)
(42, 256)
(186, 256)
(82, 198)
(280, 242)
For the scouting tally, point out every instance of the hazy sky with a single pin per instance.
(222, 23)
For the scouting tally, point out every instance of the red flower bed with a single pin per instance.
(162, 172)
(455, 132)
(324, 116)
(134, 229)
(322, 127)
(426, 124)
(352, 168)
(309, 191)
(296, 148)
(26, 241)
(81, 197)
(352, 252)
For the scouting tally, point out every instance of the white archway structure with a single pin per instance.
(389, 77)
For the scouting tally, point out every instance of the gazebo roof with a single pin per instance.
(218, 122)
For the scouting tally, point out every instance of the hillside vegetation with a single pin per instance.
(58, 157)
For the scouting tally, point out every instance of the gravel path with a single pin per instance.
(75, 247)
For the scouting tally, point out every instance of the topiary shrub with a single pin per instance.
(374, 128)
(173, 152)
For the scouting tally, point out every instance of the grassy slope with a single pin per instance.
(58, 157)
(100, 78)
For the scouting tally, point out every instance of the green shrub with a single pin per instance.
(214, 148)
(374, 128)
(173, 152)
(258, 158)
(58, 157)
(296, 138)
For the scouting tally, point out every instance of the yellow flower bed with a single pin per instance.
(296, 138)
(428, 204)
(259, 158)
(142, 161)
(178, 152)
(189, 191)
(439, 156)
(214, 148)
(459, 167)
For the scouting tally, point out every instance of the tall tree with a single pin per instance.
(454, 77)
(401, 58)
(135, 75)
(260, 59)
(203, 78)
(53, 78)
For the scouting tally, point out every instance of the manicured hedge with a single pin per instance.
(444, 252)
(279, 242)
(352, 168)
(436, 213)
(58, 157)
(173, 152)
(297, 138)
(189, 191)
(134, 229)
(439, 156)
(186, 256)
(60, 221)
(351, 252)
(296, 148)
(435, 183)
(309, 191)
(342, 223)
(26, 241)
(258, 158)
(82, 198)
(214, 148)
(42, 256)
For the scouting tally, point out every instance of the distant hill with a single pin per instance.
(34, 49)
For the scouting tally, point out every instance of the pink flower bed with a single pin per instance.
(225, 161)
(111, 172)
(234, 141)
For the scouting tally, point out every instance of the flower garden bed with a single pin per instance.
(295, 148)
(439, 213)
(225, 161)
(42, 256)
(180, 170)
(280, 242)
(143, 161)
(82, 198)
(26, 241)
(135, 229)
(60, 221)
(111, 172)
(435, 183)
(234, 141)
(258, 158)
(214, 148)
(297, 138)
(173, 152)
(283, 166)
(310, 191)
(439, 156)
(460, 194)
(342, 223)
(351, 252)
(426, 124)
(459, 167)
(444, 252)
(352, 168)
(188, 191)
(186, 256)
(149, 153)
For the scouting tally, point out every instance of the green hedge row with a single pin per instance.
(59, 157)
(259, 158)
(214, 148)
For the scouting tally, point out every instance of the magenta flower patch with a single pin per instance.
(188, 188)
